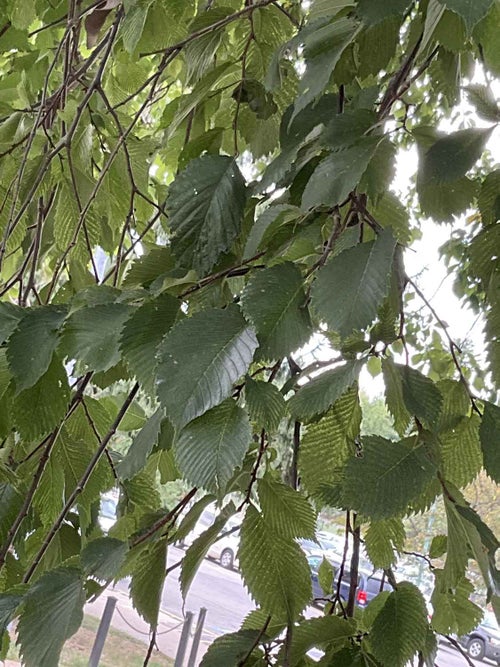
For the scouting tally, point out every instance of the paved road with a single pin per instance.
(227, 602)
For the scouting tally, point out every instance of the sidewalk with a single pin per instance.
(126, 619)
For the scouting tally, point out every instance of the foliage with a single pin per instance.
(192, 196)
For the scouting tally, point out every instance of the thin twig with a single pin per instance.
(454, 348)
(151, 647)
(454, 643)
(157, 525)
(255, 643)
(210, 28)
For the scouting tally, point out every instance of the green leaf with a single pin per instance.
(400, 629)
(232, 648)
(133, 25)
(147, 268)
(10, 505)
(265, 403)
(489, 198)
(377, 45)
(285, 510)
(383, 540)
(27, 362)
(374, 11)
(361, 276)
(198, 550)
(452, 156)
(103, 558)
(274, 568)
(454, 612)
(483, 543)
(52, 612)
(338, 174)
(421, 396)
(141, 447)
(490, 442)
(49, 495)
(200, 359)
(324, 43)
(275, 302)
(318, 395)
(326, 572)
(394, 396)
(73, 454)
(484, 100)
(146, 584)
(438, 546)
(442, 201)
(387, 477)
(190, 520)
(39, 409)
(486, 33)
(272, 215)
(461, 451)
(211, 447)
(435, 11)
(9, 602)
(353, 656)
(472, 11)
(458, 548)
(143, 332)
(92, 335)
(10, 316)
(322, 632)
(328, 442)
(199, 54)
(345, 129)
(205, 204)
(455, 406)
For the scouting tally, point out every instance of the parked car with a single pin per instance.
(225, 549)
(370, 584)
(484, 641)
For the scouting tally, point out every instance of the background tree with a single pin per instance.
(190, 193)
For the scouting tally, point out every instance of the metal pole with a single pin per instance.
(102, 632)
(183, 641)
(197, 637)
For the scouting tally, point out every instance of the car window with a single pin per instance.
(207, 519)
(374, 585)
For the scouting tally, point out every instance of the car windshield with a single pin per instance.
(490, 621)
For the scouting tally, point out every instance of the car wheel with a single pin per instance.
(475, 648)
(227, 559)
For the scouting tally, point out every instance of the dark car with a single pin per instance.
(484, 641)
(370, 584)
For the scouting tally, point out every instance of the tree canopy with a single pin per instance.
(191, 192)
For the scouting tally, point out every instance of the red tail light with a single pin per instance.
(362, 597)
